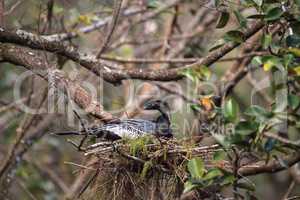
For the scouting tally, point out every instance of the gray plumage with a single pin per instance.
(133, 128)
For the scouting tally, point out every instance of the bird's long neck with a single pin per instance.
(165, 115)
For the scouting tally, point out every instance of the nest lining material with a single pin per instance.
(164, 155)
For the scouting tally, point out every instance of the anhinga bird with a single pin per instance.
(133, 128)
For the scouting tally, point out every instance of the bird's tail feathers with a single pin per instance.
(61, 133)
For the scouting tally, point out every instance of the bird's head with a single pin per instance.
(156, 105)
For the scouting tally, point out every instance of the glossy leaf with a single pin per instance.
(273, 14)
(223, 19)
(222, 140)
(246, 127)
(256, 16)
(219, 155)
(240, 18)
(266, 41)
(188, 186)
(293, 101)
(231, 110)
(196, 167)
(246, 186)
(294, 51)
(212, 173)
(293, 41)
(271, 61)
(234, 36)
(297, 70)
(256, 61)
(228, 179)
(258, 112)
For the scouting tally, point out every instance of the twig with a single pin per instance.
(78, 165)
(13, 7)
(2, 12)
(115, 18)
(281, 139)
(176, 60)
(291, 187)
(87, 29)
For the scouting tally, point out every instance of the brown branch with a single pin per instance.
(2, 12)
(282, 139)
(87, 29)
(31, 60)
(272, 167)
(13, 7)
(115, 18)
(176, 60)
(112, 72)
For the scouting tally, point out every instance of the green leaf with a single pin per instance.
(293, 101)
(240, 18)
(294, 51)
(246, 127)
(256, 16)
(188, 186)
(196, 167)
(216, 3)
(222, 140)
(258, 2)
(205, 72)
(293, 41)
(271, 61)
(258, 112)
(295, 25)
(212, 173)
(273, 14)
(219, 155)
(287, 59)
(235, 36)
(190, 74)
(147, 166)
(219, 43)
(202, 72)
(196, 107)
(296, 70)
(256, 61)
(266, 40)
(231, 110)
(246, 186)
(228, 179)
(223, 19)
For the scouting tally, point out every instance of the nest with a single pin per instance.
(145, 167)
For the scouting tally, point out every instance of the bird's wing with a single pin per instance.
(142, 126)
(131, 128)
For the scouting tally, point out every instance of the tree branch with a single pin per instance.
(31, 60)
(271, 167)
(110, 71)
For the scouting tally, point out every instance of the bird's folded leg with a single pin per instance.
(77, 146)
